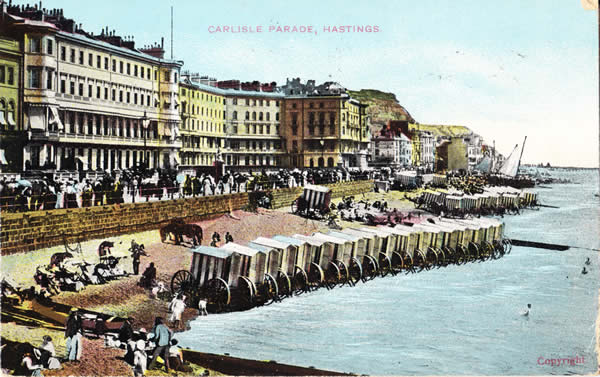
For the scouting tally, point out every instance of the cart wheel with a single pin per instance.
(246, 290)
(410, 263)
(449, 255)
(316, 276)
(344, 272)
(488, 250)
(507, 245)
(182, 281)
(442, 256)
(270, 290)
(473, 250)
(370, 268)
(284, 283)
(332, 275)
(385, 263)
(397, 261)
(463, 254)
(218, 294)
(432, 258)
(300, 281)
(420, 260)
(355, 271)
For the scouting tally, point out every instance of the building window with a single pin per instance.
(81, 57)
(72, 88)
(235, 101)
(35, 77)
(2, 74)
(98, 62)
(120, 96)
(155, 75)
(234, 116)
(72, 55)
(90, 60)
(63, 53)
(114, 95)
(148, 71)
(106, 93)
(135, 98)
(120, 67)
(90, 91)
(34, 45)
(81, 89)
(49, 79)
(128, 96)
(142, 72)
(97, 92)
(247, 115)
(63, 86)
(49, 46)
(128, 68)
(135, 70)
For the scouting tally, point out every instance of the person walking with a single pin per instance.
(140, 359)
(73, 334)
(177, 306)
(162, 339)
(228, 237)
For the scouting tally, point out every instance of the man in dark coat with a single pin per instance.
(73, 333)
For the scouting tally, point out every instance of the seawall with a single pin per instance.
(34, 230)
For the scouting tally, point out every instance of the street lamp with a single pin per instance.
(322, 142)
(145, 130)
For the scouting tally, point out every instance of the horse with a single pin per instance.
(179, 230)
(57, 258)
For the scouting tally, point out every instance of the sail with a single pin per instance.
(485, 165)
(511, 165)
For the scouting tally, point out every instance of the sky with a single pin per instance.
(506, 69)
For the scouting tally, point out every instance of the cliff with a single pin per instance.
(382, 107)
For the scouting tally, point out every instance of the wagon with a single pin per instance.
(284, 269)
(208, 278)
(340, 250)
(319, 257)
(313, 203)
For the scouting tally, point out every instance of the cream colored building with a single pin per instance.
(254, 140)
(86, 97)
(203, 123)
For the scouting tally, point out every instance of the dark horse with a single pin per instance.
(179, 230)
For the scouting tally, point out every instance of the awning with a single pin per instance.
(11, 119)
(168, 130)
(3, 158)
(2, 119)
(83, 161)
(36, 119)
(55, 119)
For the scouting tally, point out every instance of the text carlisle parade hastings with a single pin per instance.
(304, 29)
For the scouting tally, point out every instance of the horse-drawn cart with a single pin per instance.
(314, 202)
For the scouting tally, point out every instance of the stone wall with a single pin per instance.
(41, 229)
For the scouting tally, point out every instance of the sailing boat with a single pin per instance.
(510, 168)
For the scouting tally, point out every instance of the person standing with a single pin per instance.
(162, 339)
(177, 307)
(228, 237)
(140, 359)
(73, 333)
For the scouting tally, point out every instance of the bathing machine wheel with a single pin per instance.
(397, 262)
(284, 283)
(355, 271)
(369, 268)
(333, 275)
(316, 276)
(385, 265)
(217, 293)
(300, 283)
(183, 282)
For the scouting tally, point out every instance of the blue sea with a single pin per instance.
(459, 320)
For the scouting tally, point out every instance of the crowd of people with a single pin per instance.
(131, 185)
